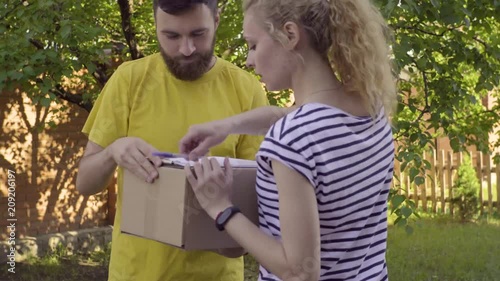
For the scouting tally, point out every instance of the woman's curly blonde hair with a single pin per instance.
(352, 34)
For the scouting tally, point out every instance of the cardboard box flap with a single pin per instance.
(235, 163)
(157, 209)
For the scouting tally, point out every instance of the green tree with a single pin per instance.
(447, 59)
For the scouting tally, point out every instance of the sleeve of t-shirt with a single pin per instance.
(248, 145)
(108, 119)
(292, 150)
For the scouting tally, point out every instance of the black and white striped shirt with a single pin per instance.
(349, 161)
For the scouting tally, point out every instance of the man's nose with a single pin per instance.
(187, 47)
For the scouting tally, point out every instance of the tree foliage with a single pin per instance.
(446, 55)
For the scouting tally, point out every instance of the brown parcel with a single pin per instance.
(167, 211)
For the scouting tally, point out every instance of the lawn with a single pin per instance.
(443, 250)
(439, 249)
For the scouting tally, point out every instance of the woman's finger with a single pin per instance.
(228, 170)
(219, 175)
(190, 176)
(198, 172)
(227, 167)
(207, 166)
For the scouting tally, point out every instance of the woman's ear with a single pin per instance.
(291, 31)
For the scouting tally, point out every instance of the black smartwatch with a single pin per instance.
(224, 216)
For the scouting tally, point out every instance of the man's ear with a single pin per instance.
(217, 18)
(291, 31)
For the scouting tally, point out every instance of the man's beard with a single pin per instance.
(192, 70)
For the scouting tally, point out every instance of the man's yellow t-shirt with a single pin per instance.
(142, 99)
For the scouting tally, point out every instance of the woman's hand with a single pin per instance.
(200, 138)
(211, 184)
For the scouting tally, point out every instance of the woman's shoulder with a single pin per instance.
(318, 118)
(292, 124)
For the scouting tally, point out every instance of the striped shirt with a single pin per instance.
(349, 162)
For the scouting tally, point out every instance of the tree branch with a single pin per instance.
(486, 46)
(415, 28)
(100, 74)
(128, 30)
(426, 89)
(75, 99)
(36, 43)
(426, 93)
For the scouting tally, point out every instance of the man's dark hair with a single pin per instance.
(176, 7)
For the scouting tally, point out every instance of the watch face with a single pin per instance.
(224, 215)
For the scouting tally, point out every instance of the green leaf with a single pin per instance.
(436, 3)
(412, 4)
(413, 173)
(427, 164)
(397, 200)
(403, 166)
(413, 137)
(419, 180)
(406, 212)
(65, 31)
(402, 222)
(397, 220)
(51, 124)
(45, 102)
(411, 204)
(91, 67)
(28, 70)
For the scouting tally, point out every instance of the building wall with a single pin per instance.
(45, 163)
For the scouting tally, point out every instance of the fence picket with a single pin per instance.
(450, 180)
(433, 180)
(479, 169)
(442, 182)
(423, 188)
(488, 178)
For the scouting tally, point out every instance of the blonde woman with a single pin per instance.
(325, 165)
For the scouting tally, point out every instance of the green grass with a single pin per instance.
(440, 249)
(444, 250)
(60, 266)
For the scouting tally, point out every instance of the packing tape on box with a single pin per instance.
(150, 210)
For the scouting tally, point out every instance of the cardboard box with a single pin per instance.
(167, 211)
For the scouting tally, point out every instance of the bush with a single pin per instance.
(466, 190)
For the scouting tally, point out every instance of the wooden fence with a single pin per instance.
(434, 195)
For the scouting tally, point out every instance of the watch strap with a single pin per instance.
(224, 216)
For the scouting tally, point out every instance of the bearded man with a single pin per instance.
(148, 105)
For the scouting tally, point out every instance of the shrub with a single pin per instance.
(466, 190)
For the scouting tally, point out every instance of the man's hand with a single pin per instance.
(231, 252)
(135, 155)
(200, 138)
